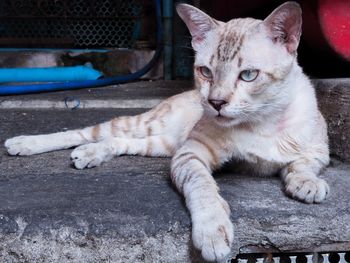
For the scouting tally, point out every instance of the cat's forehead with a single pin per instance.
(238, 26)
(231, 36)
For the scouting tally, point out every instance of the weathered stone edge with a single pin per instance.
(334, 101)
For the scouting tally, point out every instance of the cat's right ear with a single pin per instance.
(197, 22)
(284, 25)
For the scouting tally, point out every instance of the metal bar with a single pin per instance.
(325, 258)
(293, 259)
(342, 258)
(309, 258)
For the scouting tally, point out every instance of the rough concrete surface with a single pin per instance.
(127, 210)
(120, 212)
(334, 100)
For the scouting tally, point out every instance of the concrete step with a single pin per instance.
(143, 94)
(127, 211)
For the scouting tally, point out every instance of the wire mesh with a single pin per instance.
(69, 23)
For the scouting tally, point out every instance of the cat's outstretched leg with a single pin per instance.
(176, 115)
(301, 180)
(212, 230)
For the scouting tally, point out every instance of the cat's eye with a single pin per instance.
(249, 75)
(205, 72)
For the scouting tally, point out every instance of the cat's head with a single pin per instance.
(240, 66)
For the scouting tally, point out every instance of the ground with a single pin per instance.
(127, 209)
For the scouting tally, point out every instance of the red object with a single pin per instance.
(334, 18)
(326, 23)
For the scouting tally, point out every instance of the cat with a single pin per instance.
(251, 102)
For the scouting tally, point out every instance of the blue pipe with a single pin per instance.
(168, 38)
(52, 74)
(34, 88)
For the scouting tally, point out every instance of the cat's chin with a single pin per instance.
(226, 121)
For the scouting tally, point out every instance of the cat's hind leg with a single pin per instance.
(35, 144)
(126, 126)
(160, 132)
(175, 116)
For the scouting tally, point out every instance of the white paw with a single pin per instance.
(90, 155)
(23, 145)
(306, 187)
(212, 233)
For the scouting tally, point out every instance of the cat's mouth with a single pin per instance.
(226, 121)
(219, 116)
(222, 117)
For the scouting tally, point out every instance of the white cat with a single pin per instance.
(251, 102)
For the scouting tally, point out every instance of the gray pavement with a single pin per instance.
(127, 210)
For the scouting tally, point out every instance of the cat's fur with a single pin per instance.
(272, 122)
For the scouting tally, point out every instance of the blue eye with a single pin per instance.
(205, 72)
(249, 75)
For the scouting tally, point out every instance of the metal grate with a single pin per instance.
(69, 23)
(331, 257)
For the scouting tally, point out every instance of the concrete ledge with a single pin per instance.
(127, 211)
(112, 217)
(143, 94)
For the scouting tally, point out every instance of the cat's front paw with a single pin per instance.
(22, 145)
(212, 233)
(306, 187)
(90, 155)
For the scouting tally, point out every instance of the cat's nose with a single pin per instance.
(217, 104)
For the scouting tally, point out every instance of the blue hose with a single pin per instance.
(34, 88)
(51, 74)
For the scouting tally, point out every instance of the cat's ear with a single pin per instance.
(284, 25)
(197, 22)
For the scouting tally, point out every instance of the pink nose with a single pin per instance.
(217, 104)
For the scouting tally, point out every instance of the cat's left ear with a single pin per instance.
(197, 22)
(284, 25)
